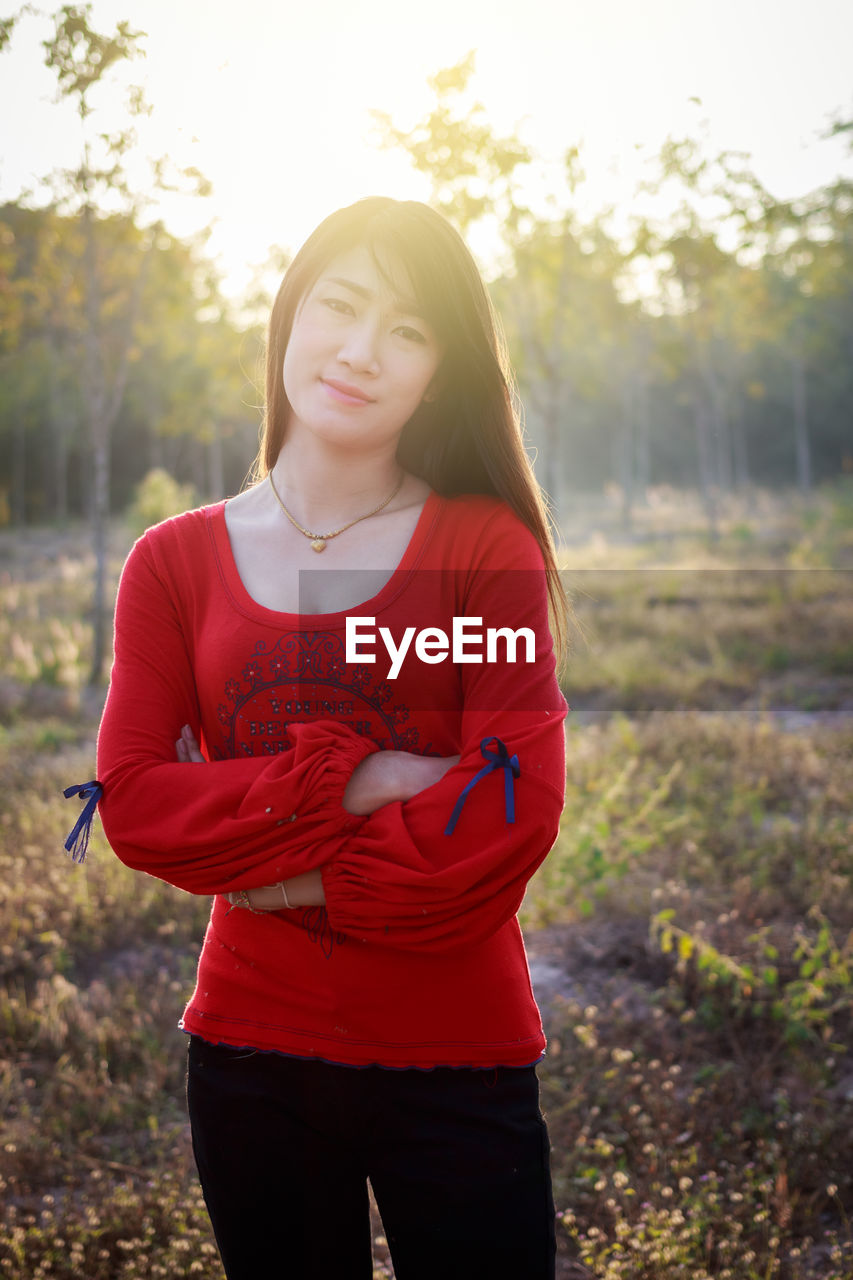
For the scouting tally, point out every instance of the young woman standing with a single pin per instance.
(367, 823)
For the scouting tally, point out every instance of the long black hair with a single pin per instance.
(468, 439)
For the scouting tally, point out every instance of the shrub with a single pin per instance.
(157, 497)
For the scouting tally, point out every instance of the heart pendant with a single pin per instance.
(319, 544)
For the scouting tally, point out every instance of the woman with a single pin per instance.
(368, 809)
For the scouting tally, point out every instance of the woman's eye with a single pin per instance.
(411, 335)
(339, 305)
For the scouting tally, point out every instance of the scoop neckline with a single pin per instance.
(251, 607)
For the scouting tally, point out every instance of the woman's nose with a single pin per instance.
(360, 347)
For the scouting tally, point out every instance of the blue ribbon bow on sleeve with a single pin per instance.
(78, 838)
(499, 759)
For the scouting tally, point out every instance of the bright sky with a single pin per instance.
(271, 99)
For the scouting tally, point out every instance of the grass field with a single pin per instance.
(691, 934)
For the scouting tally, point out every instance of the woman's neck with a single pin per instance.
(320, 489)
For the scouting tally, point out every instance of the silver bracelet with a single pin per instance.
(290, 905)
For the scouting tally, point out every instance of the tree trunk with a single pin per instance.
(722, 440)
(706, 477)
(100, 522)
(60, 470)
(801, 425)
(19, 469)
(740, 453)
(215, 463)
(104, 390)
(59, 427)
(549, 479)
(643, 436)
(623, 453)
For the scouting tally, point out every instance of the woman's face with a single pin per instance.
(360, 357)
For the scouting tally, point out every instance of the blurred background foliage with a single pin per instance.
(712, 353)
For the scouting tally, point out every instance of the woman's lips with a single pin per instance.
(344, 392)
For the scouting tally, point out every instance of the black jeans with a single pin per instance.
(458, 1161)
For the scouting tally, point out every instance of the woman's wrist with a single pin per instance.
(305, 890)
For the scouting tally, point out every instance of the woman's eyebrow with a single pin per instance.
(405, 306)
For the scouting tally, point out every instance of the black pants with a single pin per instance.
(458, 1161)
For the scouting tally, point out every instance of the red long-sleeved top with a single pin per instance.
(417, 958)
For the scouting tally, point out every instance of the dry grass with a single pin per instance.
(696, 911)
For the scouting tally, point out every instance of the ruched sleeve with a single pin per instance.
(241, 823)
(449, 866)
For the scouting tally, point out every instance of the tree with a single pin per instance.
(39, 321)
(472, 173)
(474, 178)
(111, 285)
(568, 333)
(187, 402)
(188, 390)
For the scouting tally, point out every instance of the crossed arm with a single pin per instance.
(379, 779)
(368, 837)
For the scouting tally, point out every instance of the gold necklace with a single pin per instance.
(319, 540)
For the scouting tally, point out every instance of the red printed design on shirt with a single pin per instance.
(301, 678)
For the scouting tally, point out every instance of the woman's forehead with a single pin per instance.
(376, 272)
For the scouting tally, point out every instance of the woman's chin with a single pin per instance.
(334, 432)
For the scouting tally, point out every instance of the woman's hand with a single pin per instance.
(386, 776)
(187, 748)
(299, 891)
(379, 779)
